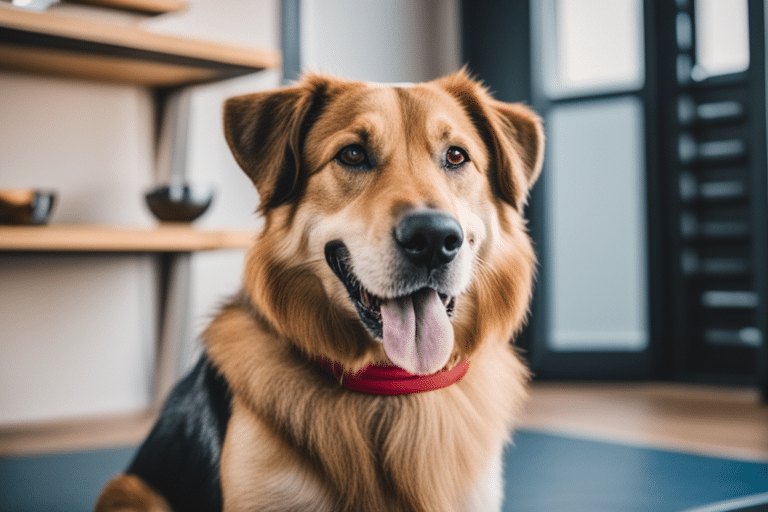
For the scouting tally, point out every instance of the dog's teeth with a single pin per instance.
(450, 306)
(365, 299)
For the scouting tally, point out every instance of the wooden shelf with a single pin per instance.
(142, 6)
(163, 238)
(50, 43)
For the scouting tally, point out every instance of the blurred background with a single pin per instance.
(650, 218)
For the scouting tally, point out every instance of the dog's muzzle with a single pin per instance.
(414, 328)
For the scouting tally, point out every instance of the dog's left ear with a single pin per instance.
(265, 132)
(512, 132)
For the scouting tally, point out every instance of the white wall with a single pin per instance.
(77, 333)
(381, 41)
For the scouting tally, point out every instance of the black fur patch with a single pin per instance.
(180, 457)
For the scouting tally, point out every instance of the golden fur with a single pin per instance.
(297, 440)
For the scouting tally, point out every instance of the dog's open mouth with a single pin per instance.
(415, 329)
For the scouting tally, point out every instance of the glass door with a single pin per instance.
(590, 219)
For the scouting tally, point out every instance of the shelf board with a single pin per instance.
(51, 43)
(81, 238)
(142, 6)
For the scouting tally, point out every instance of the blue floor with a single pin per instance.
(548, 473)
(63, 482)
(545, 473)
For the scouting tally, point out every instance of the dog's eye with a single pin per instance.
(353, 156)
(455, 157)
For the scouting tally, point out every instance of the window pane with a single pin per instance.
(598, 45)
(596, 227)
(722, 37)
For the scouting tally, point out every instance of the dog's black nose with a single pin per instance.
(429, 238)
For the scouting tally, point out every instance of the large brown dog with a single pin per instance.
(393, 237)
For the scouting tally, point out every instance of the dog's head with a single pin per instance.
(393, 216)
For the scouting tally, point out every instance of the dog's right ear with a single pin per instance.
(265, 132)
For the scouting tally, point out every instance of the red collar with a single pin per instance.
(378, 379)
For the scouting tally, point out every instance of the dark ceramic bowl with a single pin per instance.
(25, 206)
(179, 203)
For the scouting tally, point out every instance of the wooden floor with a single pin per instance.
(724, 422)
(76, 434)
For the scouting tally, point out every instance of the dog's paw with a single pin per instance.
(129, 493)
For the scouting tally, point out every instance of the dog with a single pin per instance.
(367, 363)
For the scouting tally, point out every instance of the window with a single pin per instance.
(597, 284)
(598, 46)
(722, 38)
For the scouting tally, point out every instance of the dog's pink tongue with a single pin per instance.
(418, 335)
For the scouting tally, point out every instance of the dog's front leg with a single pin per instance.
(129, 493)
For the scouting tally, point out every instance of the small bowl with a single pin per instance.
(179, 203)
(26, 206)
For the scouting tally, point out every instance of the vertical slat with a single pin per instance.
(290, 39)
(759, 181)
(671, 306)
